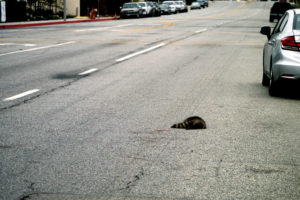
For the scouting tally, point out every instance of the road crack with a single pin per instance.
(133, 182)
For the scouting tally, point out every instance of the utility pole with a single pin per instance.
(65, 10)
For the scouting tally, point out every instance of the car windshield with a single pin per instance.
(297, 22)
(195, 3)
(130, 5)
(142, 4)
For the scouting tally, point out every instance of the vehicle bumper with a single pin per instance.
(129, 14)
(288, 66)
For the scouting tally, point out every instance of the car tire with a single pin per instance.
(265, 80)
(271, 19)
(273, 89)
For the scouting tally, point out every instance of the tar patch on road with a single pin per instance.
(64, 76)
(263, 170)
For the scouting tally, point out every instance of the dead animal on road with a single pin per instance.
(193, 122)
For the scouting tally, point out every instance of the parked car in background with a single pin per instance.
(205, 3)
(184, 7)
(131, 9)
(202, 3)
(165, 9)
(278, 9)
(147, 9)
(281, 53)
(172, 4)
(195, 5)
(157, 10)
(180, 6)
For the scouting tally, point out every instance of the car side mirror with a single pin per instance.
(266, 30)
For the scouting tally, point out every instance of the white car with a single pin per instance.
(147, 8)
(182, 6)
(195, 5)
(178, 6)
(172, 4)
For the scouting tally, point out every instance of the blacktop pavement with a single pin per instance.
(11, 25)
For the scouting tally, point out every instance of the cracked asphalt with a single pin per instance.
(97, 125)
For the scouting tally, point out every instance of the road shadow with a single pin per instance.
(288, 90)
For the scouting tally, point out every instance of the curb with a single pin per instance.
(9, 26)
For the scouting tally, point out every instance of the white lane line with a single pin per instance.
(88, 72)
(140, 52)
(38, 48)
(101, 28)
(16, 44)
(201, 30)
(21, 95)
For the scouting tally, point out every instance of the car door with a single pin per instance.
(273, 43)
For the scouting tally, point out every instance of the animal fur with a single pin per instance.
(193, 122)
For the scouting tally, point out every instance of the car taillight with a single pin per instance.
(290, 43)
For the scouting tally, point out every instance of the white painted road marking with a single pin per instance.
(140, 52)
(88, 71)
(201, 31)
(101, 28)
(15, 44)
(21, 95)
(38, 48)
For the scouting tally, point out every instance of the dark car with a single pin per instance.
(206, 3)
(278, 9)
(157, 9)
(202, 3)
(165, 9)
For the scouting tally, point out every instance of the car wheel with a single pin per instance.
(271, 19)
(265, 80)
(272, 85)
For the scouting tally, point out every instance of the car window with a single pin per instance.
(297, 22)
(281, 24)
(284, 22)
(130, 5)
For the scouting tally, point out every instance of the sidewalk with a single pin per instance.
(10, 25)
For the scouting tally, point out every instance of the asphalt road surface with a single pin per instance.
(86, 110)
